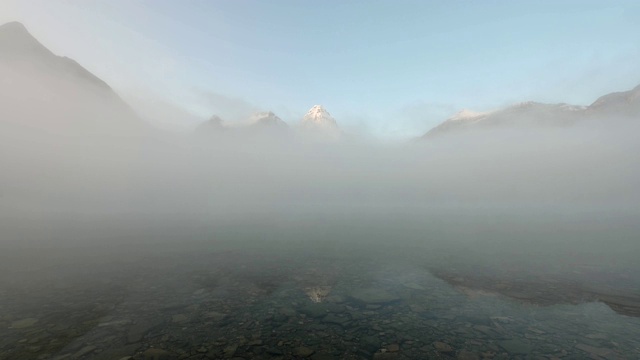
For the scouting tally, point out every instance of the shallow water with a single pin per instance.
(212, 299)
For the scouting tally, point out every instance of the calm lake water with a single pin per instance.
(243, 293)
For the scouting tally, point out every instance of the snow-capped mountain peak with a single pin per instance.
(318, 123)
(318, 116)
(317, 111)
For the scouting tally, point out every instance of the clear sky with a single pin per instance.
(390, 68)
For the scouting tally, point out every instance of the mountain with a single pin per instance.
(520, 115)
(212, 126)
(532, 114)
(263, 125)
(18, 44)
(266, 119)
(318, 123)
(43, 91)
(319, 118)
(624, 104)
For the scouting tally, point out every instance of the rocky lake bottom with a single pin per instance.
(220, 302)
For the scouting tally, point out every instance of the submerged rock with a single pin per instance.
(24, 323)
(442, 347)
(303, 351)
(393, 347)
(230, 350)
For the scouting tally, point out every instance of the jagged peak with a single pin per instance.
(318, 116)
(317, 111)
(266, 118)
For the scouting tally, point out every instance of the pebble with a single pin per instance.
(467, 355)
(230, 350)
(442, 347)
(303, 351)
(393, 347)
(24, 323)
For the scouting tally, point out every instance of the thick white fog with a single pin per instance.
(151, 177)
(80, 167)
(72, 149)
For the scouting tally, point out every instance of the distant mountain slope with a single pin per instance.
(625, 103)
(40, 90)
(532, 114)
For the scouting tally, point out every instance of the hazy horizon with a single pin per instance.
(178, 65)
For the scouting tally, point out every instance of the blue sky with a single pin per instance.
(390, 68)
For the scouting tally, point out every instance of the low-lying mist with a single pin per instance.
(500, 179)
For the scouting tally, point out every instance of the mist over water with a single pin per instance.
(143, 237)
(122, 241)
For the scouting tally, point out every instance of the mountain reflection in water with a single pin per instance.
(218, 300)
